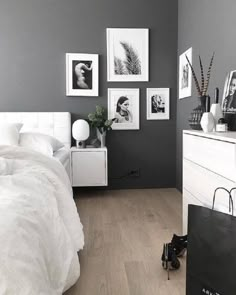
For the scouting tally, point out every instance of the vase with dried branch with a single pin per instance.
(202, 88)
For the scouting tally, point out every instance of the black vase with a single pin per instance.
(196, 114)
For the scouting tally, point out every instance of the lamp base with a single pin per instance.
(80, 144)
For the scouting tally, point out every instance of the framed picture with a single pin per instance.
(127, 55)
(81, 74)
(158, 103)
(185, 74)
(229, 94)
(123, 106)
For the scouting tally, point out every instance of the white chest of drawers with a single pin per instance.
(209, 161)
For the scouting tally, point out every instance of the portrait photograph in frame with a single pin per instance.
(185, 74)
(127, 54)
(81, 74)
(158, 103)
(229, 94)
(123, 107)
(229, 100)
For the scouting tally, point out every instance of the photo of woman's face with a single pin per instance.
(232, 86)
(125, 105)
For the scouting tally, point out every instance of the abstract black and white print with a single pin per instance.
(158, 102)
(82, 74)
(185, 74)
(127, 54)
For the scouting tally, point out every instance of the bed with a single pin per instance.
(40, 229)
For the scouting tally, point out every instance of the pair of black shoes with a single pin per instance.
(171, 251)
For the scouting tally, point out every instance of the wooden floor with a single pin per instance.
(124, 235)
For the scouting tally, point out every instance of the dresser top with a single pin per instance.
(229, 136)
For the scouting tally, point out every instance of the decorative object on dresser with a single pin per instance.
(216, 108)
(123, 106)
(185, 75)
(158, 103)
(221, 126)
(80, 132)
(229, 100)
(207, 120)
(99, 120)
(209, 161)
(127, 54)
(81, 74)
(196, 115)
(89, 166)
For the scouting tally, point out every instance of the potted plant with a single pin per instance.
(99, 120)
(202, 89)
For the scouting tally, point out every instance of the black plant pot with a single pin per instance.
(196, 114)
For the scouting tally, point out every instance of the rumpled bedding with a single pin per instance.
(40, 229)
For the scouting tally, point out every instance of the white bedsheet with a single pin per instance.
(40, 229)
(63, 155)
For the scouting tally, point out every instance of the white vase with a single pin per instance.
(216, 112)
(207, 122)
(101, 137)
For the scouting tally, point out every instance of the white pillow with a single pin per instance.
(9, 133)
(42, 143)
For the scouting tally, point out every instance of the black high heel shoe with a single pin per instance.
(179, 244)
(169, 259)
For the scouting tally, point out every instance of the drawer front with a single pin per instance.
(89, 169)
(188, 199)
(202, 184)
(215, 155)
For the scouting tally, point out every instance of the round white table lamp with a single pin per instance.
(80, 132)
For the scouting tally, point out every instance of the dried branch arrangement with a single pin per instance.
(202, 91)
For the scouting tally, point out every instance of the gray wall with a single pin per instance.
(207, 26)
(36, 34)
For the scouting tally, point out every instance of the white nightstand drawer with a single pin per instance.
(89, 168)
(215, 155)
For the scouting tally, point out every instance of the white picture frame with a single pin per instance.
(123, 106)
(120, 42)
(81, 74)
(158, 103)
(229, 93)
(185, 74)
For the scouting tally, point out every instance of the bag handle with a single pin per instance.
(231, 204)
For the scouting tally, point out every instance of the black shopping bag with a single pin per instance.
(211, 257)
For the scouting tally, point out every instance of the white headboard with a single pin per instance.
(56, 124)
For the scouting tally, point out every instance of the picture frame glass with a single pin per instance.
(185, 74)
(158, 103)
(123, 107)
(127, 54)
(229, 100)
(81, 74)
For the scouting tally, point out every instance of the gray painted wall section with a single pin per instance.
(35, 35)
(207, 26)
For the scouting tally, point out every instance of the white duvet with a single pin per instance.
(40, 229)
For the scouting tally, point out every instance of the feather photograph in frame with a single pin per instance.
(127, 55)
